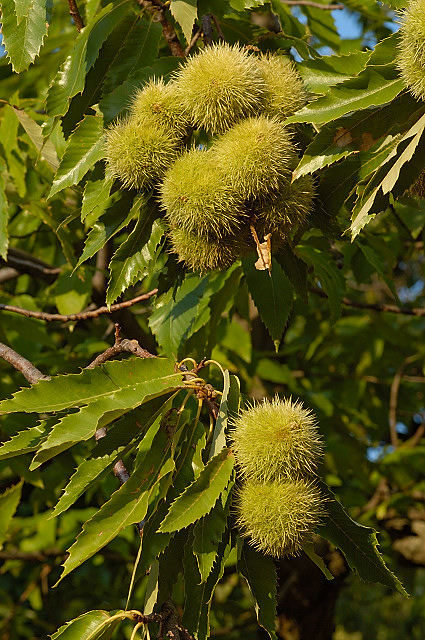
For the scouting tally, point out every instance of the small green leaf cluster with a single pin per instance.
(277, 449)
(411, 53)
(220, 196)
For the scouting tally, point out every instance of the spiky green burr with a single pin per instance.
(198, 199)
(219, 86)
(287, 209)
(279, 516)
(276, 440)
(255, 155)
(286, 90)
(411, 53)
(205, 253)
(138, 152)
(160, 103)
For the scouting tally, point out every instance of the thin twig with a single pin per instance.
(28, 370)
(124, 346)
(395, 386)
(381, 493)
(26, 263)
(75, 15)
(218, 27)
(193, 42)
(83, 315)
(388, 308)
(315, 5)
(157, 8)
(8, 273)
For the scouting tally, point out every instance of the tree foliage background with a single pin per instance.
(338, 324)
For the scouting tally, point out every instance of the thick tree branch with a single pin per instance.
(388, 308)
(83, 315)
(28, 370)
(75, 15)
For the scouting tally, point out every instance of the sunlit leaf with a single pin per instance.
(199, 498)
(24, 27)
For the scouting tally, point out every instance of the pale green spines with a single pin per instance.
(289, 208)
(205, 253)
(286, 90)
(138, 152)
(197, 199)
(160, 103)
(220, 86)
(255, 155)
(411, 54)
(275, 440)
(279, 516)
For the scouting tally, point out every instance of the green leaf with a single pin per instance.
(78, 389)
(273, 296)
(147, 381)
(358, 544)
(330, 277)
(83, 150)
(208, 532)
(131, 427)
(376, 262)
(24, 27)
(230, 401)
(113, 103)
(134, 257)
(95, 196)
(373, 86)
(71, 77)
(295, 269)
(9, 501)
(45, 148)
(128, 505)
(308, 548)
(89, 626)
(356, 133)
(71, 290)
(153, 542)
(324, 72)
(25, 441)
(138, 49)
(199, 498)
(185, 13)
(120, 208)
(260, 574)
(198, 594)
(394, 168)
(4, 217)
(175, 314)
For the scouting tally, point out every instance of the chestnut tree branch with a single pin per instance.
(75, 15)
(28, 370)
(157, 9)
(389, 308)
(83, 315)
